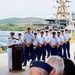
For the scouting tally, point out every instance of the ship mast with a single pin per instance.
(62, 12)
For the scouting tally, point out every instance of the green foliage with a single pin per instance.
(16, 28)
(17, 21)
(20, 24)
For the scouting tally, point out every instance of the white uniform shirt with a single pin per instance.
(59, 40)
(42, 40)
(53, 41)
(63, 37)
(19, 41)
(67, 36)
(38, 35)
(10, 41)
(47, 38)
(36, 41)
(50, 35)
(28, 37)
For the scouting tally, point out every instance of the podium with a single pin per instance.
(17, 58)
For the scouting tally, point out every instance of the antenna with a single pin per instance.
(62, 12)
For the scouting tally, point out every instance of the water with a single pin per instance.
(4, 36)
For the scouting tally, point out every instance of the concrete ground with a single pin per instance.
(4, 60)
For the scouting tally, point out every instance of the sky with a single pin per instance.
(30, 8)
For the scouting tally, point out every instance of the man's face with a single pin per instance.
(42, 34)
(66, 32)
(58, 34)
(11, 35)
(35, 35)
(46, 33)
(19, 36)
(29, 30)
(50, 32)
(38, 31)
(54, 35)
(62, 32)
(34, 71)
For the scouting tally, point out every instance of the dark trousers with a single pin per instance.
(68, 49)
(39, 53)
(29, 53)
(36, 53)
(54, 51)
(48, 49)
(43, 52)
(64, 51)
(59, 50)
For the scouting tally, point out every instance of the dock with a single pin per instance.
(4, 61)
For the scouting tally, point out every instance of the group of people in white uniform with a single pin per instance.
(40, 44)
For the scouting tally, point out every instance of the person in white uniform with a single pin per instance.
(50, 33)
(53, 44)
(47, 47)
(38, 32)
(20, 38)
(28, 41)
(59, 44)
(64, 39)
(20, 41)
(68, 43)
(42, 45)
(10, 42)
(35, 46)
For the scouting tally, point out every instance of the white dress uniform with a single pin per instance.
(10, 42)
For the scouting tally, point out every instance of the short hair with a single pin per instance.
(28, 28)
(58, 63)
(69, 67)
(19, 34)
(12, 33)
(53, 33)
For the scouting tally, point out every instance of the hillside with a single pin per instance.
(16, 21)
